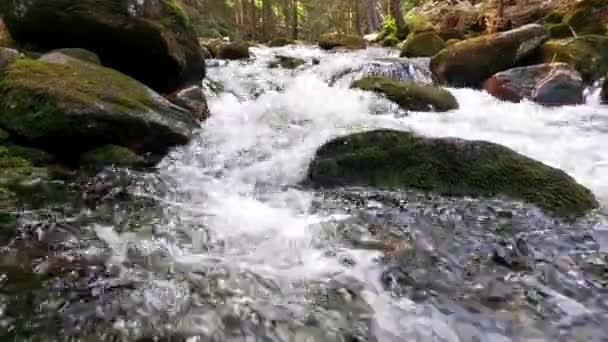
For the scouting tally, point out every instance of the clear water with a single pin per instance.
(231, 248)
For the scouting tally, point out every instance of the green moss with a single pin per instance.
(4, 135)
(280, 41)
(588, 18)
(417, 22)
(389, 32)
(424, 44)
(587, 54)
(33, 94)
(81, 54)
(34, 156)
(560, 30)
(392, 159)
(177, 15)
(111, 155)
(410, 96)
(286, 62)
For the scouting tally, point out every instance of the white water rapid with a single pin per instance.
(235, 208)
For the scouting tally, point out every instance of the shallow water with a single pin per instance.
(221, 243)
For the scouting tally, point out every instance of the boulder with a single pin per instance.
(193, 99)
(33, 156)
(410, 95)
(587, 54)
(72, 106)
(150, 40)
(329, 41)
(470, 62)
(588, 17)
(424, 44)
(233, 51)
(448, 166)
(554, 84)
(111, 155)
(6, 55)
(286, 62)
(280, 41)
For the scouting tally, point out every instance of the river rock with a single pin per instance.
(6, 55)
(111, 155)
(448, 166)
(286, 62)
(233, 51)
(587, 54)
(554, 84)
(329, 41)
(52, 105)
(470, 62)
(193, 99)
(409, 95)
(150, 40)
(82, 54)
(280, 41)
(588, 17)
(424, 44)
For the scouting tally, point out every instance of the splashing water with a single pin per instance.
(240, 250)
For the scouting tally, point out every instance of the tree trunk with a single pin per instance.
(358, 17)
(267, 18)
(373, 16)
(395, 10)
(500, 9)
(295, 19)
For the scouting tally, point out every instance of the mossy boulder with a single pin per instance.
(82, 54)
(553, 84)
(77, 106)
(6, 56)
(34, 156)
(409, 95)
(448, 166)
(286, 62)
(470, 62)
(280, 41)
(152, 40)
(332, 40)
(588, 17)
(423, 44)
(587, 54)
(111, 155)
(560, 30)
(233, 51)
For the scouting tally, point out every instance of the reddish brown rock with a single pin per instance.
(555, 84)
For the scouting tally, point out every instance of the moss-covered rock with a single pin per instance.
(587, 54)
(423, 44)
(280, 41)
(212, 45)
(470, 62)
(233, 51)
(410, 96)
(81, 54)
(393, 159)
(560, 30)
(77, 106)
(111, 155)
(588, 17)
(286, 62)
(152, 41)
(554, 84)
(33, 156)
(329, 41)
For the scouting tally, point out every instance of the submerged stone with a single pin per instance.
(152, 41)
(52, 106)
(286, 62)
(410, 95)
(448, 166)
(470, 62)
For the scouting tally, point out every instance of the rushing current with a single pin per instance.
(221, 243)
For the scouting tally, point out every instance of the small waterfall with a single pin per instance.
(593, 93)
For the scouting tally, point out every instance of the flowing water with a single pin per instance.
(220, 243)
